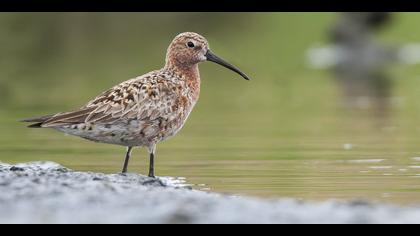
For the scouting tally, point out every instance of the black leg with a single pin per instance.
(127, 158)
(152, 165)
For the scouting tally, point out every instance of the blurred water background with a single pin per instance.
(283, 134)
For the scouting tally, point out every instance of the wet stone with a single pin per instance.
(15, 168)
(154, 182)
(63, 170)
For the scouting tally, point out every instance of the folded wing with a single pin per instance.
(143, 98)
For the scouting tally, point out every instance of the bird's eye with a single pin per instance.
(190, 44)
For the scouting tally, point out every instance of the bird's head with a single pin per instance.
(188, 49)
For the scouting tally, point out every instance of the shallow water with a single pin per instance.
(347, 159)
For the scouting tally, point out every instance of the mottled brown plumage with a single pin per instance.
(145, 110)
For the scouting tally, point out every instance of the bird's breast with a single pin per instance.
(185, 102)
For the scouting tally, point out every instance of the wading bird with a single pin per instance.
(148, 109)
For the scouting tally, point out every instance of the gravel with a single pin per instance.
(46, 192)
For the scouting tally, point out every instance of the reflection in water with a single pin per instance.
(359, 60)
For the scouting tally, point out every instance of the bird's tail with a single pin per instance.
(60, 119)
(38, 121)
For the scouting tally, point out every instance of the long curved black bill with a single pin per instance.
(211, 57)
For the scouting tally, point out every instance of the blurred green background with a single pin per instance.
(280, 135)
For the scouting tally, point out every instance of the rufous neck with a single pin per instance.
(188, 71)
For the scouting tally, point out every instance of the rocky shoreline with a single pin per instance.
(46, 192)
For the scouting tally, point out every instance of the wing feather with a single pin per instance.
(147, 97)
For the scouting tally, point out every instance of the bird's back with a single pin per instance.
(139, 111)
